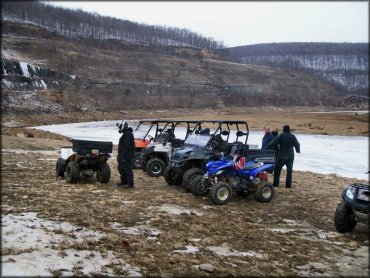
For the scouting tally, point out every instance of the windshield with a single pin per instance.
(142, 131)
(198, 139)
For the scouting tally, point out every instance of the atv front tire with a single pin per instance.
(72, 172)
(170, 176)
(155, 167)
(189, 175)
(221, 193)
(58, 169)
(344, 219)
(264, 193)
(103, 173)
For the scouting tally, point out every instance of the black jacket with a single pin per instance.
(126, 146)
(286, 141)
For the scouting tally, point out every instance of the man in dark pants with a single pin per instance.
(286, 141)
(126, 151)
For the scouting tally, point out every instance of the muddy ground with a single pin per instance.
(164, 231)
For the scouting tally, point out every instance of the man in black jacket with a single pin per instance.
(126, 152)
(286, 141)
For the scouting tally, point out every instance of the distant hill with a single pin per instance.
(77, 23)
(345, 65)
(72, 61)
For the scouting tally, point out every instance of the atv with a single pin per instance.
(201, 147)
(353, 208)
(156, 156)
(85, 158)
(232, 174)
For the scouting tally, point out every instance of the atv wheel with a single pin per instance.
(189, 175)
(344, 219)
(58, 169)
(170, 176)
(264, 193)
(137, 161)
(155, 167)
(221, 193)
(72, 172)
(103, 173)
(198, 186)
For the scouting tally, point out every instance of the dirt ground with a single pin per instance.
(176, 233)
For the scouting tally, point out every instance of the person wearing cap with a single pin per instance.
(125, 157)
(286, 141)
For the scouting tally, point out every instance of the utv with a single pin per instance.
(156, 156)
(146, 132)
(85, 158)
(354, 207)
(191, 159)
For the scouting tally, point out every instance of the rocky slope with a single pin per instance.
(43, 71)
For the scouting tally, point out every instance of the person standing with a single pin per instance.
(126, 152)
(267, 138)
(275, 132)
(285, 141)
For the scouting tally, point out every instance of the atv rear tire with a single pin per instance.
(344, 219)
(189, 175)
(264, 193)
(72, 172)
(170, 177)
(221, 193)
(103, 173)
(58, 169)
(155, 167)
(198, 186)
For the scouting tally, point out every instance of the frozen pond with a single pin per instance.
(344, 155)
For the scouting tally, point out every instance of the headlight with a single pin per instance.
(219, 172)
(350, 192)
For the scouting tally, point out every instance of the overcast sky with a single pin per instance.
(244, 23)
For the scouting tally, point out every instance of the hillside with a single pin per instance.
(45, 71)
(58, 60)
(345, 65)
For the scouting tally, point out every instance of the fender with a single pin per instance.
(264, 167)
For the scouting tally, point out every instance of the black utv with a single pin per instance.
(204, 144)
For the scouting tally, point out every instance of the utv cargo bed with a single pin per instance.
(265, 156)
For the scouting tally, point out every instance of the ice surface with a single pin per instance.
(343, 155)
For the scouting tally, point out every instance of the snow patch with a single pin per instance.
(189, 249)
(226, 251)
(178, 210)
(35, 248)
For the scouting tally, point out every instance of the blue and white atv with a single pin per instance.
(227, 175)
(354, 207)
(85, 158)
